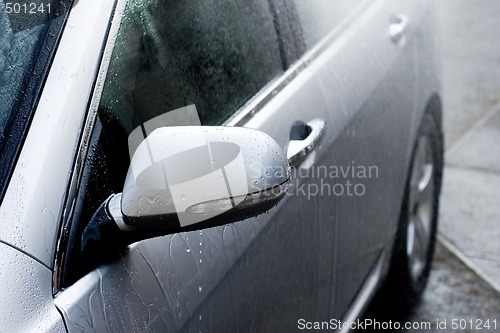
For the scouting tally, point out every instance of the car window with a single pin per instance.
(20, 36)
(29, 33)
(319, 17)
(171, 54)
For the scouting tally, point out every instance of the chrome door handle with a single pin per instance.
(298, 150)
(397, 27)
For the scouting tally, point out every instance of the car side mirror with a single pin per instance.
(190, 178)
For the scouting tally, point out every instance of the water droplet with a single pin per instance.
(188, 250)
(183, 197)
(200, 288)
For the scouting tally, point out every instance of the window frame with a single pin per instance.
(77, 173)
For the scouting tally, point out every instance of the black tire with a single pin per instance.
(406, 280)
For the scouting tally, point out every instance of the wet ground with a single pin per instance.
(454, 294)
(468, 32)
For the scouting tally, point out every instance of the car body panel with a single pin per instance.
(27, 303)
(90, 305)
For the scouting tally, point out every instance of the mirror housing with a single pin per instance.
(190, 178)
(183, 176)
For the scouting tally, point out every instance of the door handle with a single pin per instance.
(397, 27)
(299, 148)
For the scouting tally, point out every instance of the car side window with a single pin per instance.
(320, 17)
(170, 54)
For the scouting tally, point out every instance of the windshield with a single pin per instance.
(22, 29)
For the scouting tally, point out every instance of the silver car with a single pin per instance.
(214, 166)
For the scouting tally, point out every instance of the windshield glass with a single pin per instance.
(22, 29)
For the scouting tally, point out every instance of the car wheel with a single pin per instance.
(416, 235)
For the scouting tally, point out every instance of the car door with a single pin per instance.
(248, 64)
(366, 69)
(364, 59)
